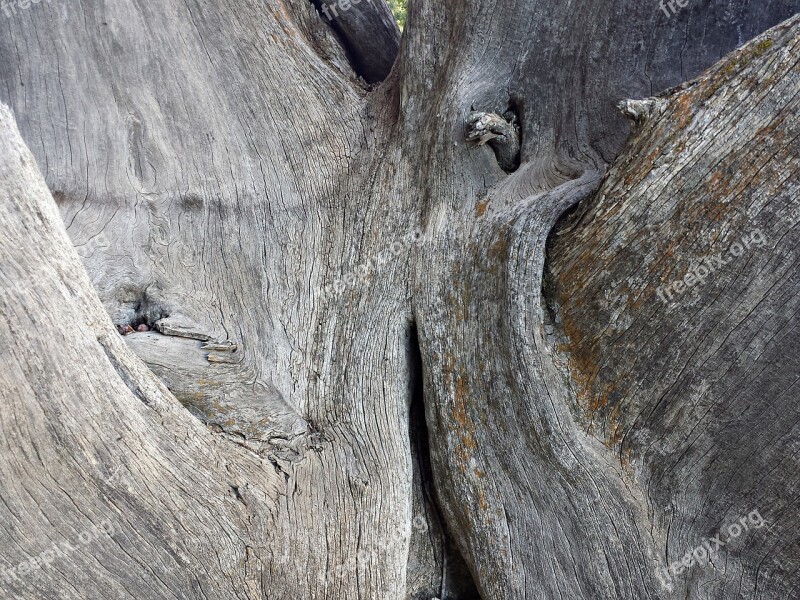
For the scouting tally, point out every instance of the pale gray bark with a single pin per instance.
(92, 437)
(369, 416)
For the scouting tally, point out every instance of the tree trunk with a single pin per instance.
(415, 340)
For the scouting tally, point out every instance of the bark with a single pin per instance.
(694, 387)
(367, 374)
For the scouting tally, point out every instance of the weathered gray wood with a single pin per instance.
(695, 388)
(173, 171)
(219, 167)
(540, 508)
(106, 484)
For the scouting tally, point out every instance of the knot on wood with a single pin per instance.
(501, 133)
(639, 111)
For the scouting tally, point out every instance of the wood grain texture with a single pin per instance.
(223, 186)
(91, 436)
(228, 180)
(539, 508)
(694, 387)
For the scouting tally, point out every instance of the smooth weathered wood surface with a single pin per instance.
(228, 180)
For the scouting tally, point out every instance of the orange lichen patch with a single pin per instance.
(584, 360)
(466, 428)
(281, 12)
(774, 133)
(602, 288)
(599, 402)
(718, 181)
(593, 397)
(638, 171)
(468, 442)
(652, 156)
(637, 301)
(480, 208)
(459, 401)
(448, 367)
(587, 344)
(191, 400)
(679, 148)
(462, 457)
(499, 249)
(684, 109)
(615, 428)
(482, 503)
(478, 473)
(584, 342)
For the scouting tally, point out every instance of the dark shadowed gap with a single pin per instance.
(367, 31)
(456, 581)
(566, 223)
(549, 301)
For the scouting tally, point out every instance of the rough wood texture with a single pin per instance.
(92, 436)
(695, 387)
(228, 180)
(539, 508)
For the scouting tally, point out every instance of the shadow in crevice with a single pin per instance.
(572, 219)
(436, 550)
(368, 33)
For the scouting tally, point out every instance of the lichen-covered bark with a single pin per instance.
(694, 386)
(540, 507)
(304, 251)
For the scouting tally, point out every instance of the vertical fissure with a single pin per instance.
(453, 580)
